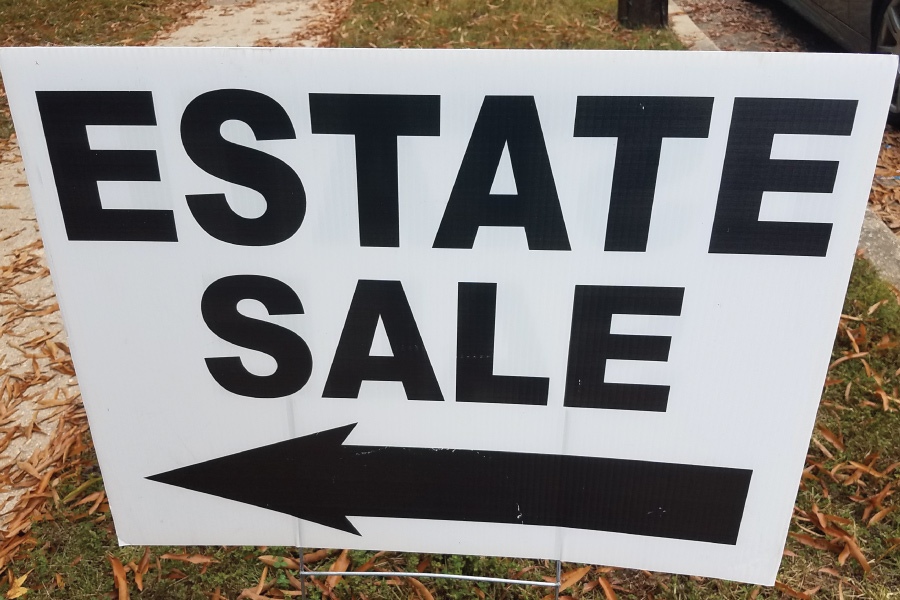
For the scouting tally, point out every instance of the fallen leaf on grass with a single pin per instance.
(262, 580)
(889, 550)
(876, 306)
(280, 562)
(844, 555)
(607, 589)
(341, 564)
(788, 591)
(15, 588)
(121, 583)
(817, 543)
(318, 555)
(881, 514)
(424, 564)
(857, 554)
(837, 442)
(846, 358)
(325, 591)
(570, 578)
(194, 559)
(175, 574)
(420, 588)
(142, 568)
(88, 498)
(370, 563)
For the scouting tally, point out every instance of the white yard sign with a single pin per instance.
(503, 302)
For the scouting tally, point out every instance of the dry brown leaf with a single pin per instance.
(424, 564)
(295, 583)
(119, 578)
(570, 578)
(875, 307)
(784, 589)
(817, 543)
(812, 591)
(881, 514)
(317, 555)
(341, 564)
(837, 442)
(420, 588)
(328, 593)
(194, 559)
(607, 589)
(15, 588)
(142, 568)
(369, 563)
(857, 554)
(846, 358)
(88, 498)
(281, 562)
(823, 450)
(844, 555)
(888, 551)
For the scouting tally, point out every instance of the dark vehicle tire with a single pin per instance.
(887, 41)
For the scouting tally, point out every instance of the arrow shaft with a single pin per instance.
(626, 496)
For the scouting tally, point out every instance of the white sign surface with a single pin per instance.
(502, 302)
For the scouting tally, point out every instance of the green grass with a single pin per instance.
(81, 22)
(577, 24)
(75, 546)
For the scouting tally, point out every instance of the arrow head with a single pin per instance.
(272, 477)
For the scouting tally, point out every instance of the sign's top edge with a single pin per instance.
(672, 57)
(640, 56)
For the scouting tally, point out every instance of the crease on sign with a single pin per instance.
(292, 433)
(563, 450)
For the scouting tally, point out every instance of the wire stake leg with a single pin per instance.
(302, 578)
(558, 572)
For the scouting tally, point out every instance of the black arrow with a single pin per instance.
(317, 478)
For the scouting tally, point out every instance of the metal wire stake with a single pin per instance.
(302, 578)
(417, 575)
(304, 574)
(558, 572)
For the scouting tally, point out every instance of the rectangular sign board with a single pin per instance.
(520, 303)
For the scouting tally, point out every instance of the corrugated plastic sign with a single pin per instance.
(520, 303)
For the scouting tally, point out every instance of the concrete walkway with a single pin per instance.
(237, 23)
